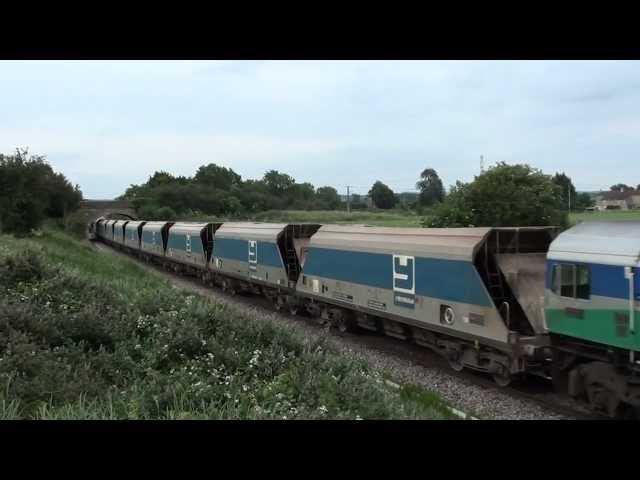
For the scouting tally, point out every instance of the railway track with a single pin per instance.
(535, 390)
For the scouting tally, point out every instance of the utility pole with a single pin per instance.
(569, 196)
(348, 200)
(481, 164)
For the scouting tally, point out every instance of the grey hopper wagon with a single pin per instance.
(191, 243)
(132, 234)
(261, 253)
(154, 238)
(447, 281)
(118, 231)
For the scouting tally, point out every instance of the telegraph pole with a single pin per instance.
(569, 195)
(348, 200)
(481, 164)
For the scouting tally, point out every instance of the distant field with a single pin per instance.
(393, 218)
(608, 215)
(384, 219)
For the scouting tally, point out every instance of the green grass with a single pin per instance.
(87, 335)
(612, 215)
(395, 218)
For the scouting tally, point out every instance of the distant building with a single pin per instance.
(618, 200)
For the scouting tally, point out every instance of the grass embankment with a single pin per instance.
(609, 215)
(85, 335)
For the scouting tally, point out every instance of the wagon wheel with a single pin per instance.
(502, 379)
(602, 399)
(345, 324)
(456, 364)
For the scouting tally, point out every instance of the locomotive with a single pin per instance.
(507, 301)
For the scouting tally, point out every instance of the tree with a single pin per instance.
(217, 177)
(430, 186)
(30, 190)
(567, 190)
(301, 195)
(504, 195)
(278, 183)
(63, 196)
(328, 198)
(584, 200)
(621, 187)
(382, 196)
(160, 178)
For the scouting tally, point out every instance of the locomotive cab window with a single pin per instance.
(571, 281)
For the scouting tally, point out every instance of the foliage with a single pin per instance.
(621, 187)
(216, 190)
(143, 350)
(504, 195)
(430, 186)
(328, 198)
(382, 196)
(30, 191)
(583, 201)
(567, 190)
(278, 183)
(214, 176)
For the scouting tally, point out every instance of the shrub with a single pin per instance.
(23, 267)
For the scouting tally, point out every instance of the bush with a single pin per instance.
(25, 266)
(504, 195)
(76, 224)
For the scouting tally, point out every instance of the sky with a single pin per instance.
(109, 124)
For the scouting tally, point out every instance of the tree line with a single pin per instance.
(505, 194)
(216, 190)
(31, 191)
(502, 195)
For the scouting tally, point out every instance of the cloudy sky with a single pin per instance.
(106, 125)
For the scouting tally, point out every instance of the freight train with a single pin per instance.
(509, 302)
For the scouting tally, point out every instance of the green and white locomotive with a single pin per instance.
(592, 308)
